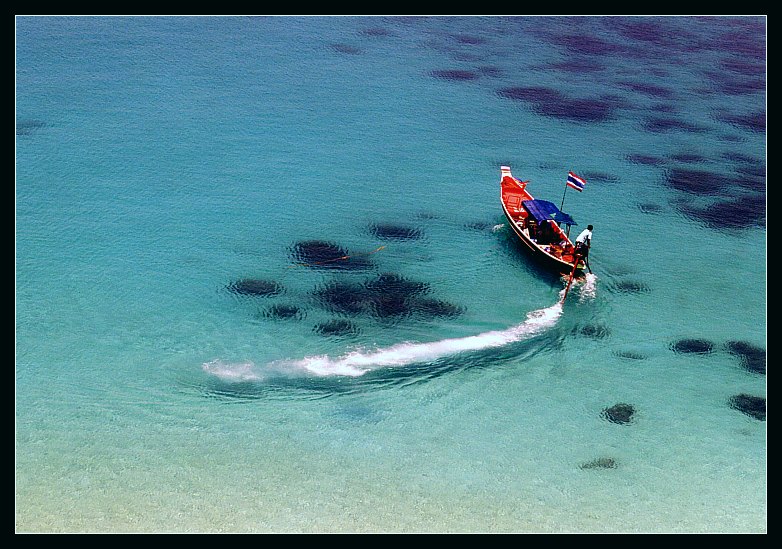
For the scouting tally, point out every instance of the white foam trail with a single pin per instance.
(232, 371)
(497, 227)
(357, 363)
(588, 288)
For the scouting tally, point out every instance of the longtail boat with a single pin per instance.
(538, 224)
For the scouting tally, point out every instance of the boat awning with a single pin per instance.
(541, 210)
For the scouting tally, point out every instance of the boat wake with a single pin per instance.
(588, 288)
(359, 362)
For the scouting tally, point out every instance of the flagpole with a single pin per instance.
(563, 195)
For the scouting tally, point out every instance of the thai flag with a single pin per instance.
(576, 182)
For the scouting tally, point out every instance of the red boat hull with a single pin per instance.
(556, 251)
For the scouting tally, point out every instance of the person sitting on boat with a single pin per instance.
(547, 235)
(584, 241)
(532, 227)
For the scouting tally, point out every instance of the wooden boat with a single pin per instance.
(538, 225)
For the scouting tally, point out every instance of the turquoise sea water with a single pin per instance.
(162, 161)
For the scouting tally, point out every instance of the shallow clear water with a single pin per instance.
(161, 161)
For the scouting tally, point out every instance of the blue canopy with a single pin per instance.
(541, 210)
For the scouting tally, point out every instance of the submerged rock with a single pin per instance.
(336, 327)
(693, 346)
(632, 355)
(658, 124)
(553, 103)
(390, 306)
(753, 406)
(396, 285)
(256, 287)
(283, 312)
(600, 463)
(346, 48)
(630, 287)
(595, 331)
(752, 358)
(697, 182)
(454, 74)
(620, 413)
(390, 231)
(436, 308)
(343, 298)
(389, 296)
(28, 127)
(319, 254)
(744, 213)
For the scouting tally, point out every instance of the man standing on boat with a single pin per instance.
(584, 242)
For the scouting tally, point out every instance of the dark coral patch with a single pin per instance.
(697, 182)
(394, 284)
(456, 75)
(578, 110)
(643, 30)
(600, 177)
(746, 36)
(390, 306)
(435, 308)
(630, 287)
(630, 355)
(753, 406)
(752, 358)
(594, 331)
(327, 255)
(736, 84)
(390, 231)
(690, 158)
(600, 463)
(337, 327)
(255, 287)
(388, 297)
(649, 31)
(755, 122)
(692, 346)
(588, 45)
(284, 312)
(645, 88)
(740, 157)
(665, 124)
(620, 413)
(343, 298)
(469, 39)
(740, 65)
(731, 214)
(29, 127)
(552, 103)
(392, 296)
